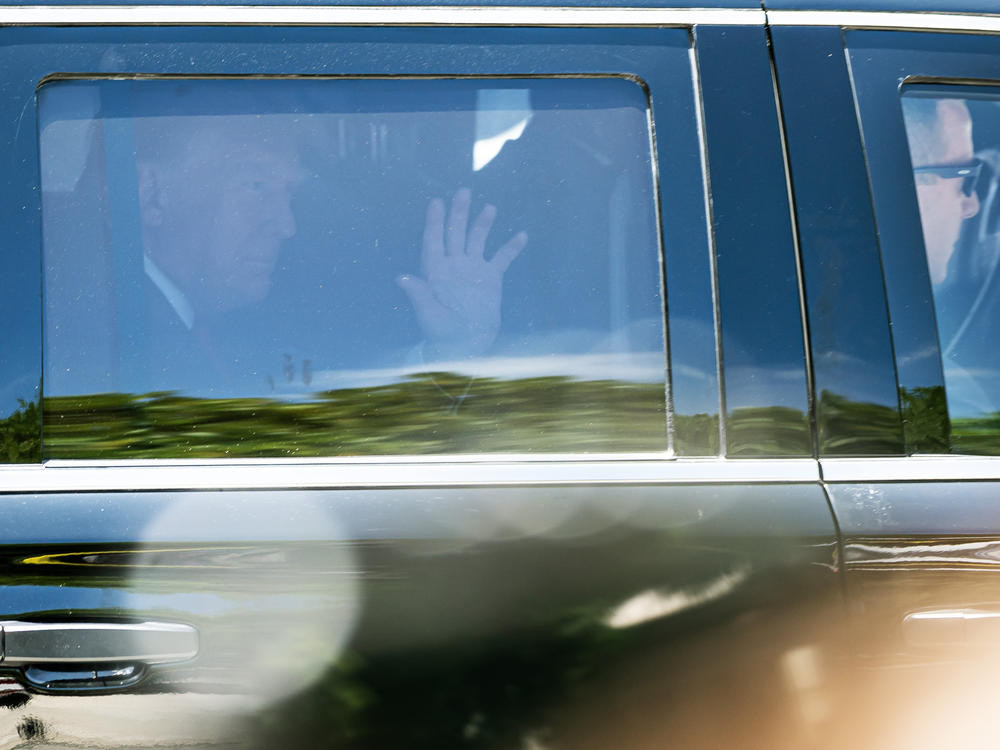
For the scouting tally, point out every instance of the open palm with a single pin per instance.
(458, 294)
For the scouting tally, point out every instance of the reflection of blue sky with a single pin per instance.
(971, 392)
(855, 378)
(921, 356)
(30, 598)
(764, 386)
(700, 388)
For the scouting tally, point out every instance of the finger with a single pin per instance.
(458, 220)
(433, 249)
(418, 291)
(506, 254)
(479, 231)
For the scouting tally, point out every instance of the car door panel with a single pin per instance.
(490, 600)
(417, 596)
(919, 530)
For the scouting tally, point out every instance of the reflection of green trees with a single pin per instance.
(846, 428)
(477, 693)
(20, 435)
(976, 435)
(429, 413)
(768, 431)
(447, 413)
(696, 434)
(854, 428)
(925, 420)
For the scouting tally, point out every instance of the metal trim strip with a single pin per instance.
(96, 642)
(713, 265)
(67, 476)
(399, 15)
(886, 20)
(910, 469)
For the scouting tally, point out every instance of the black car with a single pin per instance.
(499, 376)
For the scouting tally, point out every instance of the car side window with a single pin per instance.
(343, 267)
(926, 103)
(953, 135)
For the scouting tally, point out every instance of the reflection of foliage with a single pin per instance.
(976, 435)
(768, 431)
(429, 413)
(696, 434)
(334, 708)
(476, 693)
(925, 420)
(20, 435)
(854, 428)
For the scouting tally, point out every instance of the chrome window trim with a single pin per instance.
(93, 476)
(886, 20)
(713, 264)
(910, 469)
(398, 15)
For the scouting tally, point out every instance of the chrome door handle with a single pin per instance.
(953, 627)
(26, 643)
(92, 656)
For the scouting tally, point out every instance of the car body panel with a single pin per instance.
(693, 595)
(428, 601)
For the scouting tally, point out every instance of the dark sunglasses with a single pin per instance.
(969, 173)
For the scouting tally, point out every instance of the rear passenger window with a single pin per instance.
(355, 266)
(953, 134)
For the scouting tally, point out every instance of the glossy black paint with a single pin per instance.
(760, 315)
(919, 555)
(378, 618)
(919, 508)
(21, 298)
(485, 617)
(854, 375)
(434, 617)
(921, 548)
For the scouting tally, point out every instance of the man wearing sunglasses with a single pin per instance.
(945, 171)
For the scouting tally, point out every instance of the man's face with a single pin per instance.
(943, 205)
(224, 212)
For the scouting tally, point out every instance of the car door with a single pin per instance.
(915, 500)
(252, 496)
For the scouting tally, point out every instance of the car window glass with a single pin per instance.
(953, 134)
(354, 266)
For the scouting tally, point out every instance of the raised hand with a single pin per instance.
(457, 296)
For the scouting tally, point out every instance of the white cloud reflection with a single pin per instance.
(634, 367)
(653, 604)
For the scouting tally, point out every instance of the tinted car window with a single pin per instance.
(339, 267)
(953, 135)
